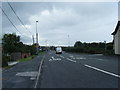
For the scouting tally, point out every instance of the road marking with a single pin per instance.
(98, 54)
(101, 59)
(71, 56)
(80, 58)
(71, 60)
(50, 59)
(54, 59)
(58, 55)
(62, 56)
(102, 71)
(39, 72)
(32, 78)
(29, 74)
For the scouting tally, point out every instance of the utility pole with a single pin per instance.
(68, 41)
(46, 42)
(33, 39)
(105, 46)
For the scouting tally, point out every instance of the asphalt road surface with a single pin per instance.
(66, 70)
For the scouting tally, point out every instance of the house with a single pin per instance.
(0, 54)
(116, 39)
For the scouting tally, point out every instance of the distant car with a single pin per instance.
(58, 50)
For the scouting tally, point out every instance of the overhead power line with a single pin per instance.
(18, 17)
(10, 20)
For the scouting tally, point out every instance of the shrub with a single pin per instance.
(5, 60)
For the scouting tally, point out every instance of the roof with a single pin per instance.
(116, 29)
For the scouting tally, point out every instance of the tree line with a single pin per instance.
(92, 48)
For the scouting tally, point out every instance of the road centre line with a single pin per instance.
(115, 75)
(62, 56)
(39, 72)
(71, 60)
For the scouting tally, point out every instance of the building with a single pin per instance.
(0, 55)
(116, 39)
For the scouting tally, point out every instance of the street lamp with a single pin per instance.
(37, 45)
(36, 33)
(105, 46)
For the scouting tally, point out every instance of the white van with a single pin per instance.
(58, 50)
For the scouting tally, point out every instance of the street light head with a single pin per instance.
(36, 21)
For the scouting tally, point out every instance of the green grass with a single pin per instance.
(26, 59)
(41, 53)
(21, 60)
(7, 67)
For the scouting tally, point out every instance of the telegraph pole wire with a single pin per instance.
(18, 17)
(10, 20)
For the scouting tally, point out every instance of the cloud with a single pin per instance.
(87, 22)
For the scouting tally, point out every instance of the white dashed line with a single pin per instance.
(102, 71)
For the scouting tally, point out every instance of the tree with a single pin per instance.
(78, 44)
(10, 43)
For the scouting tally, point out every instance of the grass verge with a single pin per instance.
(7, 67)
(26, 59)
(42, 53)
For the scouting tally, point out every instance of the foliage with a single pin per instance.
(10, 43)
(5, 60)
(93, 48)
(26, 59)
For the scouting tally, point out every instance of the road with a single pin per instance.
(66, 70)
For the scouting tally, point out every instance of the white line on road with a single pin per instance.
(101, 59)
(71, 60)
(62, 56)
(54, 59)
(102, 71)
(39, 72)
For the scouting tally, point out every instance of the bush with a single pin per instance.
(5, 60)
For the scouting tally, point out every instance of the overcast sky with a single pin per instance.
(85, 22)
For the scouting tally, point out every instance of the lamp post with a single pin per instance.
(36, 33)
(105, 46)
(37, 45)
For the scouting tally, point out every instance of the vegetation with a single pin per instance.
(92, 48)
(26, 59)
(11, 43)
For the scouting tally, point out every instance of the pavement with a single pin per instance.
(66, 70)
(22, 75)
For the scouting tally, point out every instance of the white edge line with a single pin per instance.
(39, 72)
(102, 71)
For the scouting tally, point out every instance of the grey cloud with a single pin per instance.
(61, 19)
